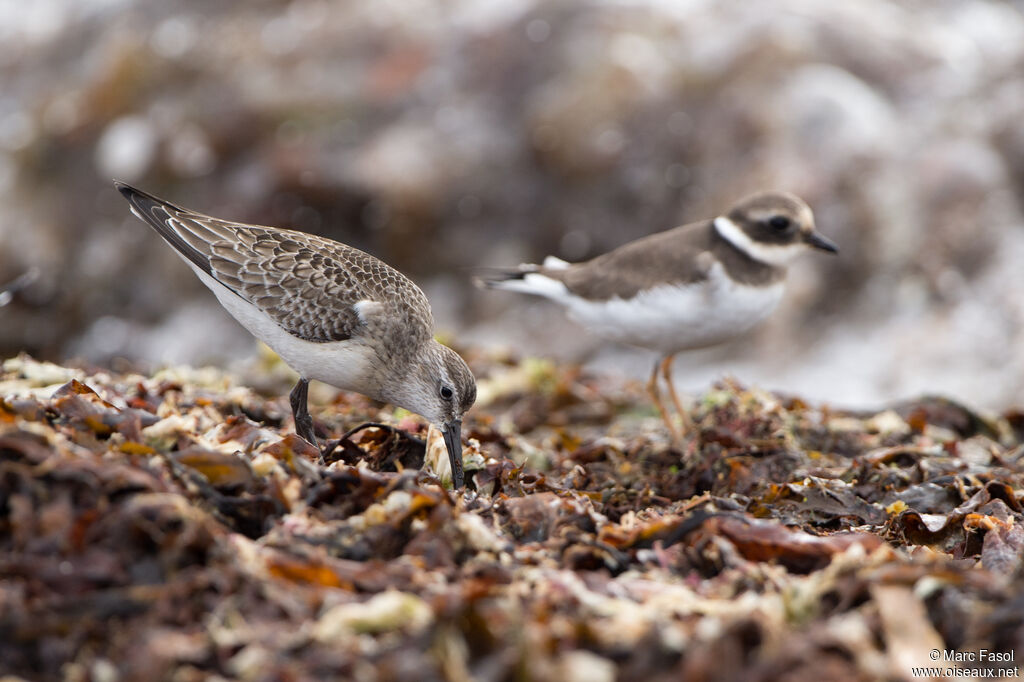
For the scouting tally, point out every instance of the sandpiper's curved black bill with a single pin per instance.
(820, 241)
(453, 443)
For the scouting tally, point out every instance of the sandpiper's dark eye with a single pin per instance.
(447, 392)
(779, 222)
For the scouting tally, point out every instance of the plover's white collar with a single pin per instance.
(779, 255)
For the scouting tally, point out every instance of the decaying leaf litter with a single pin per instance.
(171, 526)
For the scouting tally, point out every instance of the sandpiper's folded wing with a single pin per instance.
(315, 288)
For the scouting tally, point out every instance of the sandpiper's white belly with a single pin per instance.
(347, 365)
(672, 318)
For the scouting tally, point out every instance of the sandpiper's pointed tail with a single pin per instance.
(170, 222)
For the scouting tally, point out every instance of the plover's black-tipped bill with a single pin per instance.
(453, 443)
(820, 241)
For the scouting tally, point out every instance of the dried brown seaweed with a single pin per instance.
(157, 527)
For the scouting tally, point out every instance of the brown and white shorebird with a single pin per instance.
(332, 312)
(689, 287)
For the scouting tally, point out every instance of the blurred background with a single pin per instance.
(444, 134)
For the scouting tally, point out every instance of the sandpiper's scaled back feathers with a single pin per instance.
(332, 312)
(689, 287)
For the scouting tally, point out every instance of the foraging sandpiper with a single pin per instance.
(333, 313)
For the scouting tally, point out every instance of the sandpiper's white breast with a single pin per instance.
(348, 365)
(674, 317)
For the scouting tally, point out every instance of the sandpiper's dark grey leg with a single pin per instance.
(303, 422)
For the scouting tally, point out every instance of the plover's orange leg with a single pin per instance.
(652, 388)
(666, 371)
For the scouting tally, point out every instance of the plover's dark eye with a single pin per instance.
(779, 222)
(447, 392)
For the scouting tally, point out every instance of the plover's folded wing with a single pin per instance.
(676, 257)
(681, 256)
(316, 289)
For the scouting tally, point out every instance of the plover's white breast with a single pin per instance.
(672, 317)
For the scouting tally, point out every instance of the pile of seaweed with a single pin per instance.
(172, 526)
